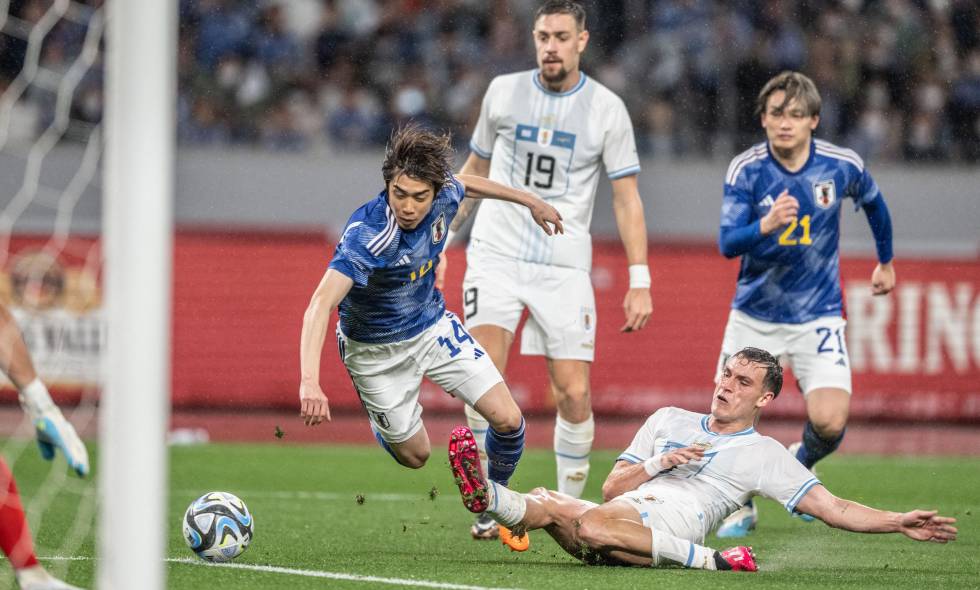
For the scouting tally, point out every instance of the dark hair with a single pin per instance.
(795, 85)
(563, 7)
(422, 154)
(773, 381)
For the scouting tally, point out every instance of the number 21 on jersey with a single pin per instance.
(788, 239)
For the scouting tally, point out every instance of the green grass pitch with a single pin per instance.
(411, 525)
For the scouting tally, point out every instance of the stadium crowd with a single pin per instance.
(900, 78)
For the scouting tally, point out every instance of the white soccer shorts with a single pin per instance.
(816, 351)
(670, 515)
(561, 303)
(388, 377)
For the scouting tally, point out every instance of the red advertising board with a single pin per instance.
(239, 300)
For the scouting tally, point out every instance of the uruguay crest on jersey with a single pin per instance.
(824, 193)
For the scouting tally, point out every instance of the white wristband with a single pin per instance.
(653, 466)
(639, 276)
(449, 238)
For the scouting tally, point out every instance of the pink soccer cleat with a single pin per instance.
(740, 558)
(464, 460)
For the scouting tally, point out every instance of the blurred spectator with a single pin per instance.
(899, 78)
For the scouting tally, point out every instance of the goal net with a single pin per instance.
(78, 240)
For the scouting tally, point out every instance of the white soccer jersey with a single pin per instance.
(550, 144)
(734, 468)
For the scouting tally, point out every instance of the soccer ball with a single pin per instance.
(218, 526)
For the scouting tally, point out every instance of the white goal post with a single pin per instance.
(137, 241)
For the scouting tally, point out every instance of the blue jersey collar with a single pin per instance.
(704, 426)
(809, 159)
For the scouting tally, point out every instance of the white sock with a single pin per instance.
(35, 399)
(573, 443)
(32, 575)
(479, 425)
(682, 551)
(505, 505)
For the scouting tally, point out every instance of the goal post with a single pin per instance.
(137, 238)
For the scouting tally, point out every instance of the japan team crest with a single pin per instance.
(824, 193)
(439, 228)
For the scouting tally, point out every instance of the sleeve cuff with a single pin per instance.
(623, 172)
(791, 505)
(481, 153)
(629, 458)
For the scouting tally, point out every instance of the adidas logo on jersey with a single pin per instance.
(404, 260)
(767, 202)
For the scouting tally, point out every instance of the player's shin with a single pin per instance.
(479, 425)
(674, 549)
(573, 444)
(815, 447)
(504, 450)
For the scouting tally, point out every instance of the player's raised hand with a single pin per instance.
(637, 305)
(441, 270)
(314, 408)
(543, 214)
(927, 525)
(783, 212)
(883, 279)
(681, 457)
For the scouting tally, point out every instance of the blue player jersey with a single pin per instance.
(394, 296)
(793, 275)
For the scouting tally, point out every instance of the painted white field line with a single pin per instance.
(308, 573)
(326, 496)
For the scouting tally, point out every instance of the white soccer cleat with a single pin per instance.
(54, 432)
(485, 528)
(37, 578)
(739, 523)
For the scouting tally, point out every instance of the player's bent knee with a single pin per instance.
(829, 423)
(830, 427)
(590, 530)
(413, 460)
(507, 421)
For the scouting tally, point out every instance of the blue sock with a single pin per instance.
(815, 448)
(384, 444)
(503, 452)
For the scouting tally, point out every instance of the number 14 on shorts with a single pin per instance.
(462, 337)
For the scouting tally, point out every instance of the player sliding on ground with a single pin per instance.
(53, 432)
(394, 328)
(683, 473)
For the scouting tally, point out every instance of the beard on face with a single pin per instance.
(557, 77)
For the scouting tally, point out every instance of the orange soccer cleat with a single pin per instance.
(517, 540)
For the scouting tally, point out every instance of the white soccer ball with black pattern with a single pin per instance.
(218, 526)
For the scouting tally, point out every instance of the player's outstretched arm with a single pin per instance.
(543, 213)
(15, 360)
(628, 209)
(53, 431)
(921, 525)
(476, 166)
(333, 287)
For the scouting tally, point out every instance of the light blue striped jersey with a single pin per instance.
(734, 468)
(792, 276)
(394, 296)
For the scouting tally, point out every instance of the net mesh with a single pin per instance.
(50, 256)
